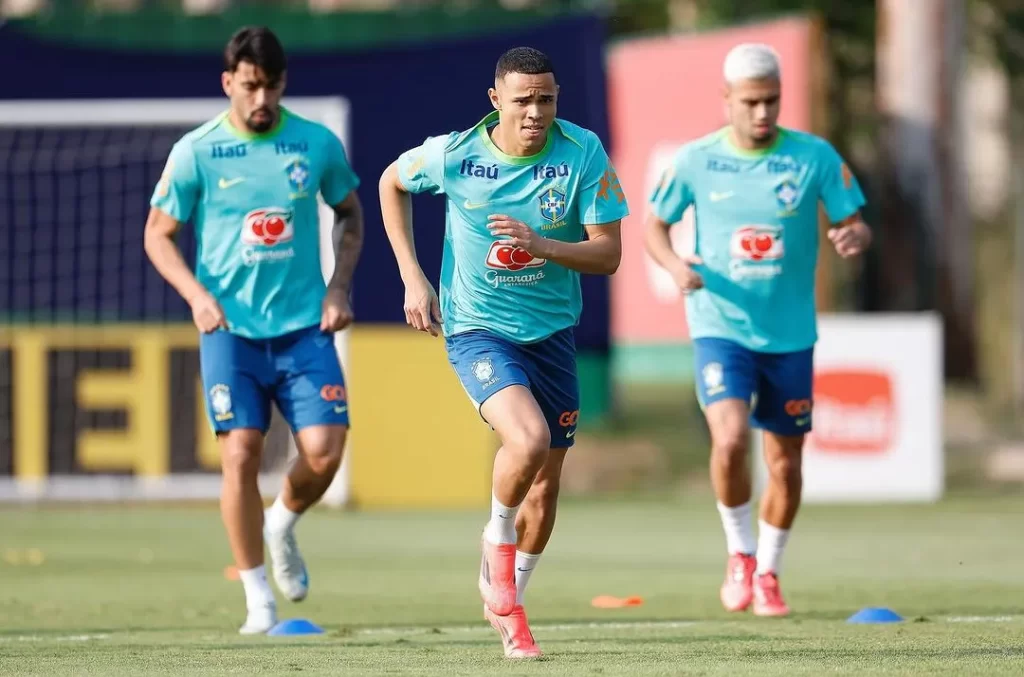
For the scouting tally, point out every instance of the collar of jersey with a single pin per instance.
(481, 128)
(758, 152)
(253, 136)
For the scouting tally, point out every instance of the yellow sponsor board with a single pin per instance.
(128, 400)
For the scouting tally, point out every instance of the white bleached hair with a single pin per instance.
(751, 61)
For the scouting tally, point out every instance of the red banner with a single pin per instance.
(664, 92)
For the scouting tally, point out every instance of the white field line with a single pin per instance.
(484, 628)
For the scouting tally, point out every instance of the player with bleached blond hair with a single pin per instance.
(749, 284)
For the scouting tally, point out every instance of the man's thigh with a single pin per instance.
(235, 375)
(785, 393)
(310, 385)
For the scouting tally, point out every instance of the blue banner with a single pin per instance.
(70, 251)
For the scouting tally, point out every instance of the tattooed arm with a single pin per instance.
(347, 239)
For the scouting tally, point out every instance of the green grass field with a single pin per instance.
(133, 590)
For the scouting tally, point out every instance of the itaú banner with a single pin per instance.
(876, 412)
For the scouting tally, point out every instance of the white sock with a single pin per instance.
(257, 589)
(739, 529)
(502, 527)
(771, 541)
(279, 518)
(525, 564)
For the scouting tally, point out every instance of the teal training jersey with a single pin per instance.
(253, 202)
(756, 215)
(501, 288)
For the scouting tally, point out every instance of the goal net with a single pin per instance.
(100, 395)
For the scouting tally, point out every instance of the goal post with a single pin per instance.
(41, 173)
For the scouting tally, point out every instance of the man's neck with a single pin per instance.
(752, 144)
(514, 147)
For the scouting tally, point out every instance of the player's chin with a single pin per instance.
(532, 133)
(260, 122)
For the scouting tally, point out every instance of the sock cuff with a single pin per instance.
(764, 527)
(501, 510)
(279, 505)
(527, 556)
(742, 508)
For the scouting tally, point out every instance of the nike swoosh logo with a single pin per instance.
(718, 197)
(474, 205)
(340, 410)
(227, 183)
(523, 570)
(803, 421)
(571, 434)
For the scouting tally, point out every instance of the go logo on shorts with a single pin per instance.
(799, 407)
(333, 393)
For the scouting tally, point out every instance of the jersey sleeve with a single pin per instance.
(673, 193)
(421, 169)
(177, 191)
(602, 199)
(840, 191)
(338, 179)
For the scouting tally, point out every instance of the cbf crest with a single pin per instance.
(787, 193)
(297, 172)
(552, 205)
(220, 402)
(483, 370)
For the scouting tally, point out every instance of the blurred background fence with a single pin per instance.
(98, 387)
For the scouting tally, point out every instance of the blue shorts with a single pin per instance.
(299, 371)
(487, 363)
(779, 386)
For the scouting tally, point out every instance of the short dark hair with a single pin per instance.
(525, 60)
(259, 46)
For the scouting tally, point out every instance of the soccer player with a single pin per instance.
(532, 202)
(749, 286)
(248, 181)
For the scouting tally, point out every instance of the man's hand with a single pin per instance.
(336, 311)
(684, 275)
(850, 239)
(422, 310)
(518, 234)
(207, 313)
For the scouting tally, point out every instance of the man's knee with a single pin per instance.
(730, 446)
(784, 461)
(240, 452)
(530, 441)
(322, 447)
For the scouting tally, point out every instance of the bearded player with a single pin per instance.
(533, 201)
(248, 181)
(749, 286)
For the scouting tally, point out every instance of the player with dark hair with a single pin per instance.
(533, 201)
(248, 181)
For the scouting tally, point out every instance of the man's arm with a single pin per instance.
(599, 254)
(658, 243)
(172, 204)
(842, 197)
(850, 236)
(396, 211)
(163, 252)
(671, 197)
(347, 238)
(422, 309)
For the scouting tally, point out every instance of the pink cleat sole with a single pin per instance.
(516, 637)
